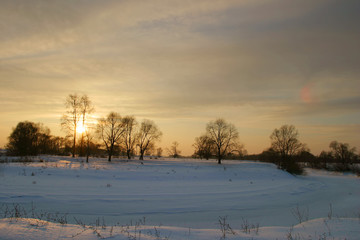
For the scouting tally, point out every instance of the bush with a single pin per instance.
(292, 167)
(355, 169)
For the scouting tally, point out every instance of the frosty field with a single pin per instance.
(184, 198)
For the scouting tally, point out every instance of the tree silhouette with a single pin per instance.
(29, 139)
(159, 152)
(174, 150)
(204, 147)
(342, 152)
(147, 136)
(223, 135)
(78, 109)
(89, 136)
(285, 142)
(86, 108)
(44, 139)
(71, 118)
(110, 130)
(129, 135)
(23, 140)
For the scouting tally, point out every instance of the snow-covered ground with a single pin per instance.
(176, 198)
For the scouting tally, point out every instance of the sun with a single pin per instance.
(80, 128)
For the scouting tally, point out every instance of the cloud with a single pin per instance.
(183, 59)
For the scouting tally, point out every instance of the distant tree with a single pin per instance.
(342, 152)
(23, 141)
(174, 151)
(70, 120)
(86, 108)
(159, 152)
(147, 136)
(204, 147)
(310, 159)
(68, 144)
(44, 139)
(89, 136)
(224, 135)
(238, 151)
(269, 155)
(57, 145)
(110, 130)
(130, 124)
(30, 138)
(285, 141)
(305, 156)
(326, 157)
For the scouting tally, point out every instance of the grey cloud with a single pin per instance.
(190, 56)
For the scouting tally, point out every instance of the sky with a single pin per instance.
(257, 64)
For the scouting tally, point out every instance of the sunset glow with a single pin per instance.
(257, 64)
(80, 128)
(190, 116)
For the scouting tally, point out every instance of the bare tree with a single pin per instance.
(86, 108)
(204, 146)
(342, 152)
(147, 136)
(129, 134)
(159, 152)
(57, 145)
(44, 139)
(174, 150)
(238, 150)
(89, 136)
(110, 131)
(285, 142)
(224, 136)
(71, 118)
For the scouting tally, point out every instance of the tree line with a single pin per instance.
(117, 135)
(288, 153)
(113, 131)
(220, 140)
(30, 139)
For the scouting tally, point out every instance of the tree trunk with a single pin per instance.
(219, 155)
(82, 150)
(110, 152)
(74, 144)
(82, 146)
(141, 155)
(87, 152)
(128, 154)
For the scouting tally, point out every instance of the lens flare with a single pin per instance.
(305, 94)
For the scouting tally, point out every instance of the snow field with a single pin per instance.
(182, 195)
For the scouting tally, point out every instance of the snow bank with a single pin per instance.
(17, 229)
